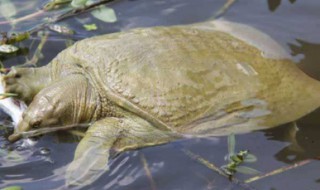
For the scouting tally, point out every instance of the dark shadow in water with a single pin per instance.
(304, 143)
(310, 64)
(273, 4)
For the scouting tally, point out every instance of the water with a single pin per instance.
(293, 25)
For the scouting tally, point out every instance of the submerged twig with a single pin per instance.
(213, 167)
(224, 9)
(204, 162)
(24, 18)
(148, 172)
(278, 171)
(37, 54)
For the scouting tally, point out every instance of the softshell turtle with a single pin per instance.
(150, 86)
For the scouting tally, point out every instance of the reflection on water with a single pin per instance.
(284, 20)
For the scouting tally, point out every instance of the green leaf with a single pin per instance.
(8, 48)
(231, 144)
(78, 3)
(55, 3)
(236, 159)
(14, 38)
(90, 27)
(105, 14)
(7, 9)
(12, 188)
(250, 158)
(247, 170)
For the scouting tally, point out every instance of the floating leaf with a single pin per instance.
(61, 29)
(247, 170)
(250, 158)
(8, 48)
(231, 144)
(7, 9)
(12, 188)
(90, 27)
(78, 3)
(14, 38)
(105, 14)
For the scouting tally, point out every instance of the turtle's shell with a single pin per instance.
(177, 76)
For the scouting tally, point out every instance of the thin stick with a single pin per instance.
(213, 167)
(24, 18)
(37, 132)
(34, 60)
(224, 9)
(148, 173)
(278, 171)
(204, 162)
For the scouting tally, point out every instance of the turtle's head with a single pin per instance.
(41, 113)
(66, 102)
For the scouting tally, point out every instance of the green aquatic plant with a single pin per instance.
(56, 4)
(90, 27)
(236, 159)
(6, 43)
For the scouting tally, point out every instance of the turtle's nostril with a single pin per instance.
(17, 76)
(36, 124)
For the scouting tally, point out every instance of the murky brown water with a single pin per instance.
(294, 24)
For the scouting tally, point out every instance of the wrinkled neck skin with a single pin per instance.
(84, 104)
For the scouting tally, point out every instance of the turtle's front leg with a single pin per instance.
(26, 82)
(111, 135)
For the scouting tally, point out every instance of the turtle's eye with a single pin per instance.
(36, 123)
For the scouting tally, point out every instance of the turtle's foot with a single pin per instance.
(107, 137)
(26, 82)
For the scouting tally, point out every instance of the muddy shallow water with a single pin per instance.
(294, 24)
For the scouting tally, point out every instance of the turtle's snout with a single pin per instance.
(17, 135)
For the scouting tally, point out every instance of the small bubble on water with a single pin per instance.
(44, 151)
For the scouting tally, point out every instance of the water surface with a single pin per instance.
(294, 24)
